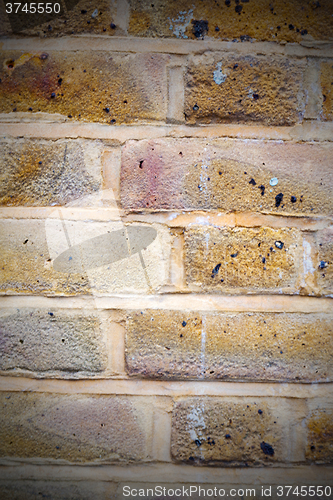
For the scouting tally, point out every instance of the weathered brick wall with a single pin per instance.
(203, 353)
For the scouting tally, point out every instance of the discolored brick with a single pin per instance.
(320, 436)
(324, 268)
(242, 346)
(225, 89)
(242, 260)
(326, 80)
(248, 20)
(63, 257)
(227, 431)
(52, 340)
(41, 173)
(91, 86)
(75, 428)
(227, 174)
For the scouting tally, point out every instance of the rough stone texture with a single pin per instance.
(56, 490)
(224, 89)
(228, 431)
(250, 346)
(246, 20)
(324, 270)
(41, 173)
(326, 80)
(76, 428)
(51, 340)
(226, 174)
(89, 86)
(242, 260)
(75, 17)
(99, 255)
(320, 436)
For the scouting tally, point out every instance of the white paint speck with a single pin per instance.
(94, 14)
(307, 261)
(219, 76)
(179, 25)
(274, 181)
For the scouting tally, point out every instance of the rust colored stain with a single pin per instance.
(94, 87)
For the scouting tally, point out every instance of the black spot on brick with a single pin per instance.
(53, 95)
(322, 264)
(260, 412)
(198, 442)
(60, 81)
(184, 323)
(195, 107)
(227, 436)
(291, 27)
(217, 28)
(234, 255)
(83, 11)
(140, 164)
(304, 32)
(262, 189)
(278, 199)
(293, 199)
(107, 110)
(113, 26)
(216, 270)
(238, 9)
(51, 314)
(255, 97)
(227, 2)
(267, 448)
(253, 182)
(200, 28)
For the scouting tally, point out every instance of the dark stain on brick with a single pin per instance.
(216, 270)
(200, 28)
(267, 448)
(253, 182)
(293, 199)
(279, 245)
(262, 189)
(278, 199)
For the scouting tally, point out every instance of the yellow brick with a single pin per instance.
(41, 173)
(241, 260)
(227, 430)
(52, 340)
(324, 270)
(326, 80)
(93, 257)
(242, 346)
(226, 89)
(259, 20)
(89, 86)
(230, 175)
(320, 436)
(74, 428)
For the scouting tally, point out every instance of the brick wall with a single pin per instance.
(166, 248)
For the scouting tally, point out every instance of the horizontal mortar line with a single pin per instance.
(57, 127)
(138, 387)
(163, 473)
(165, 45)
(178, 302)
(170, 218)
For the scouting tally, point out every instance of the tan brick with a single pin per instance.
(226, 174)
(251, 346)
(76, 428)
(242, 259)
(228, 430)
(37, 258)
(320, 435)
(260, 20)
(51, 341)
(41, 173)
(324, 269)
(56, 490)
(89, 86)
(326, 80)
(75, 19)
(224, 89)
